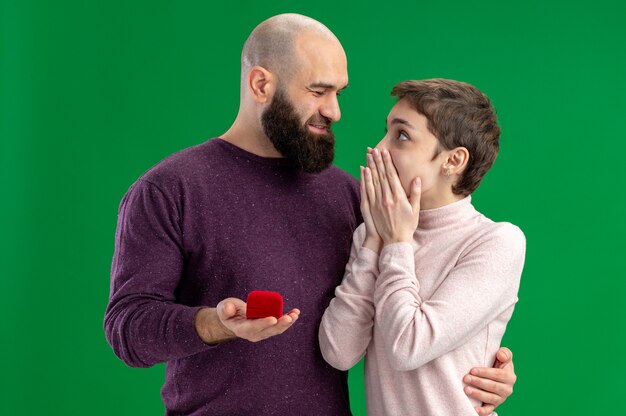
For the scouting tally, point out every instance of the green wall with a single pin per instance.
(93, 93)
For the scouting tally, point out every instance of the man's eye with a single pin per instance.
(403, 137)
(318, 93)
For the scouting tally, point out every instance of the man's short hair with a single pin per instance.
(459, 115)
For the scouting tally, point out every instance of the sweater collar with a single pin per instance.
(447, 215)
(278, 162)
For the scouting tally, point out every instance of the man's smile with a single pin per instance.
(318, 128)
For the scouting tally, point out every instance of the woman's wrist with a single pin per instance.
(398, 239)
(373, 243)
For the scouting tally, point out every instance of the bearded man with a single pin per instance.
(259, 207)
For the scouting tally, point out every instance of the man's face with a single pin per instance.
(311, 150)
(298, 120)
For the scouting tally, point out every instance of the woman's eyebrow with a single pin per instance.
(397, 120)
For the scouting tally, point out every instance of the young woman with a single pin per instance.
(431, 283)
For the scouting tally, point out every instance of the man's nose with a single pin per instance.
(330, 109)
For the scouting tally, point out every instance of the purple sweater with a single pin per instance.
(214, 221)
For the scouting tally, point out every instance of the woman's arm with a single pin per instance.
(346, 328)
(480, 287)
(395, 217)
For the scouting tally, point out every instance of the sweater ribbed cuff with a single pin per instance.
(397, 255)
(397, 268)
(185, 340)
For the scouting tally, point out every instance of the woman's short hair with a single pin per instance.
(459, 115)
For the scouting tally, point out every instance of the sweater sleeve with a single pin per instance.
(346, 327)
(143, 323)
(482, 285)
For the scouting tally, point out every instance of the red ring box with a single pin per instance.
(261, 304)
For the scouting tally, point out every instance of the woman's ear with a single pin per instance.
(457, 160)
(261, 84)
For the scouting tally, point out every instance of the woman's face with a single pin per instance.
(414, 151)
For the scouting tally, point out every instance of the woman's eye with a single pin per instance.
(403, 137)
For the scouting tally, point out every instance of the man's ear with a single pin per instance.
(457, 160)
(261, 84)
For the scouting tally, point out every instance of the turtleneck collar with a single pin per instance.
(447, 215)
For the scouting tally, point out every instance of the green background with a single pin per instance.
(94, 93)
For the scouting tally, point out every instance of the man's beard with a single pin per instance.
(308, 151)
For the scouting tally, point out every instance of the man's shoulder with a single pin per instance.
(184, 164)
(339, 185)
(334, 173)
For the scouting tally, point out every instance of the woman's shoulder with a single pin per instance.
(500, 236)
(507, 230)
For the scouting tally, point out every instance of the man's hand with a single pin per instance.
(228, 321)
(494, 385)
(395, 216)
(232, 314)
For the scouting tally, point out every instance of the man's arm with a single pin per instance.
(144, 323)
(493, 385)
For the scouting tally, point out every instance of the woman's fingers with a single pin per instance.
(364, 201)
(386, 193)
(371, 164)
(370, 189)
(392, 173)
